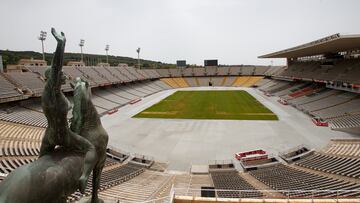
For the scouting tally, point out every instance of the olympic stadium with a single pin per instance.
(213, 133)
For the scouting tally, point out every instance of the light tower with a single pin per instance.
(107, 49)
(81, 44)
(42, 38)
(138, 52)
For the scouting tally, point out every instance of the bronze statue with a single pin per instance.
(86, 122)
(55, 107)
(66, 159)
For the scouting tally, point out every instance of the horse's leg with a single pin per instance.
(46, 147)
(82, 144)
(96, 183)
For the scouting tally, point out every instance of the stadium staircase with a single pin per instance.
(223, 81)
(197, 82)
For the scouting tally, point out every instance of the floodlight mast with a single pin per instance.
(107, 47)
(138, 52)
(42, 38)
(81, 44)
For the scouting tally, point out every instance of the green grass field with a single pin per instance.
(232, 105)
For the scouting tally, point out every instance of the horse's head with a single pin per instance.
(82, 90)
(82, 103)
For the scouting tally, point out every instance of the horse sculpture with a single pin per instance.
(67, 154)
(86, 122)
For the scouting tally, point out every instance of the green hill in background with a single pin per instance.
(12, 57)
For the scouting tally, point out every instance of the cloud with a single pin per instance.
(234, 31)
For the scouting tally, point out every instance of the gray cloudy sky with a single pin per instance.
(233, 31)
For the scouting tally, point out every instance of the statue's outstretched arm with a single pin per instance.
(57, 63)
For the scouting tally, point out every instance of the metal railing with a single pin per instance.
(261, 195)
(272, 194)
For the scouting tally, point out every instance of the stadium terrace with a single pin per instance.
(176, 135)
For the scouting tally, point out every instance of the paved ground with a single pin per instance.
(184, 142)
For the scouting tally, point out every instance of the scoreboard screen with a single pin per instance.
(210, 62)
(181, 63)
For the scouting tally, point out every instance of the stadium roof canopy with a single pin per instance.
(331, 44)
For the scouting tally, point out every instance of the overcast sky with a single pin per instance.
(233, 31)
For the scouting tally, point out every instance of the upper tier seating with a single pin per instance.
(7, 89)
(151, 73)
(104, 73)
(211, 70)
(116, 73)
(30, 112)
(28, 80)
(125, 72)
(247, 70)
(135, 72)
(275, 70)
(235, 70)
(224, 71)
(93, 75)
(74, 72)
(175, 72)
(260, 70)
(163, 72)
(342, 70)
(199, 71)
(188, 72)
(41, 71)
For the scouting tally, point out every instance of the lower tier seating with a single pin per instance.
(281, 177)
(230, 180)
(146, 186)
(345, 147)
(332, 164)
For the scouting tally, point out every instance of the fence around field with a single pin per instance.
(241, 195)
(193, 195)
